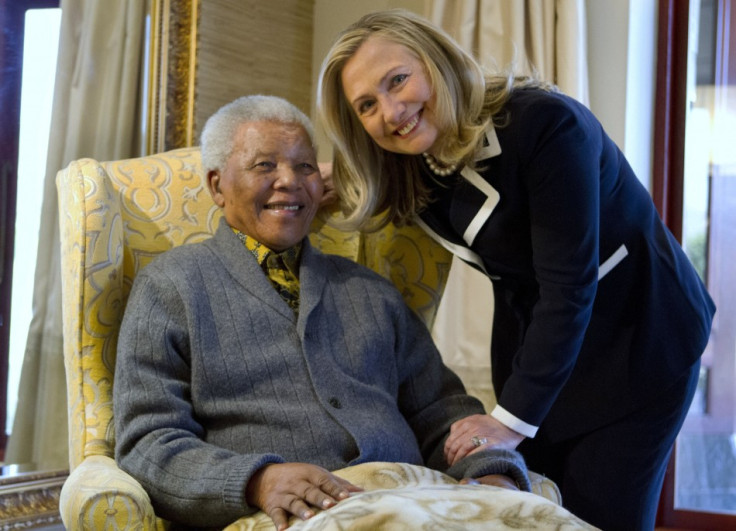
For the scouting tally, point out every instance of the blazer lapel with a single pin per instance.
(491, 149)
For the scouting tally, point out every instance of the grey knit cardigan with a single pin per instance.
(216, 377)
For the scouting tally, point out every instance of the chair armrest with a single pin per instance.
(545, 487)
(99, 495)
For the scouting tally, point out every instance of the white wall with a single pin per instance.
(622, 38)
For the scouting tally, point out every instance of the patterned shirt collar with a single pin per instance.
(291, 256)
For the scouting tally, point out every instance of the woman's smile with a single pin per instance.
(409, 126)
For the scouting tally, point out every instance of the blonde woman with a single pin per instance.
(600, 319)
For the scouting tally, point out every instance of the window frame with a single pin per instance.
(668, 179)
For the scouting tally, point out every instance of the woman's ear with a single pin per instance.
(213, 184)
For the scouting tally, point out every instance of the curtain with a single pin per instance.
(547, 36)
(543, 36)
(95, 113)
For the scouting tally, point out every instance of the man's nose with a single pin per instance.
(288, 177)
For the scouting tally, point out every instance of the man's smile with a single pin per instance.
(283, 206)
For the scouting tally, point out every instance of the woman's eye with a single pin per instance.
(365, 107)
(399, 78)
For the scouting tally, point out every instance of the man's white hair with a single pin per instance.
(218, 134)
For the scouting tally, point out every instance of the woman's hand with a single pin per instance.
(495, 480)
(478, 432)
(329, 195)
(283, 489)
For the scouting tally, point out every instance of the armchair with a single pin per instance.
(115, 217)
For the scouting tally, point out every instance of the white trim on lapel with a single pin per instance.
(485, 210)
(461, 252)
(493, 149)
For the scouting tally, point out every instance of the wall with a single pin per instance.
(250, 47)
(622, 74)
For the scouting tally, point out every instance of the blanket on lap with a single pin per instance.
(401, 496)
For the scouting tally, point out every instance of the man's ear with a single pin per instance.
(213, 184)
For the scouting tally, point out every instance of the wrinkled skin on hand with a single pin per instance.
(285, 489)
(459, 444)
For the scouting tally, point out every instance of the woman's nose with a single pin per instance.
(393, 110)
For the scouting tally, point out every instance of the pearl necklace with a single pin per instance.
(438, 170)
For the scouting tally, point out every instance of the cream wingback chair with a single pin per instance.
(115, 217)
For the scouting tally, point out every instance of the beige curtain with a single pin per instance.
(95, 113)
(548, 36)
(545, 36)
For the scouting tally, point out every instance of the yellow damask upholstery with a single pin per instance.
(115, 217)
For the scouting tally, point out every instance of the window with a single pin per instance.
(695, 185)
(13, 83)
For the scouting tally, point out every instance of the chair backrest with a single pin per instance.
(115, 217)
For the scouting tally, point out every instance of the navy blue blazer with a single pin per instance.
(597, 307)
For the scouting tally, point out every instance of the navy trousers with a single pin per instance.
(612, 477)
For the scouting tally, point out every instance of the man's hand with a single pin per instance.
(496, 480)
(283, 489)
(486, 430)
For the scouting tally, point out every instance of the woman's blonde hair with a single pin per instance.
(370, 180)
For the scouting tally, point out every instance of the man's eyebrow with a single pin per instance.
(253, 155)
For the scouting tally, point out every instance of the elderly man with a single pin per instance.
(250, 365)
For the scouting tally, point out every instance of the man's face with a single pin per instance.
(270, 188)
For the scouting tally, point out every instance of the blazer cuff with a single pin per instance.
(515, 423)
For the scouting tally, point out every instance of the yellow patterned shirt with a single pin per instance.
(282, 269)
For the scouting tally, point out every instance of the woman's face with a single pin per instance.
(388, 88)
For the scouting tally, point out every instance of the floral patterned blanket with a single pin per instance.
(399, 496)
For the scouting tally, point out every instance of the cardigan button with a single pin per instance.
(334, 402)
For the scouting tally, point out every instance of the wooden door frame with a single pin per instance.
(668, 181)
